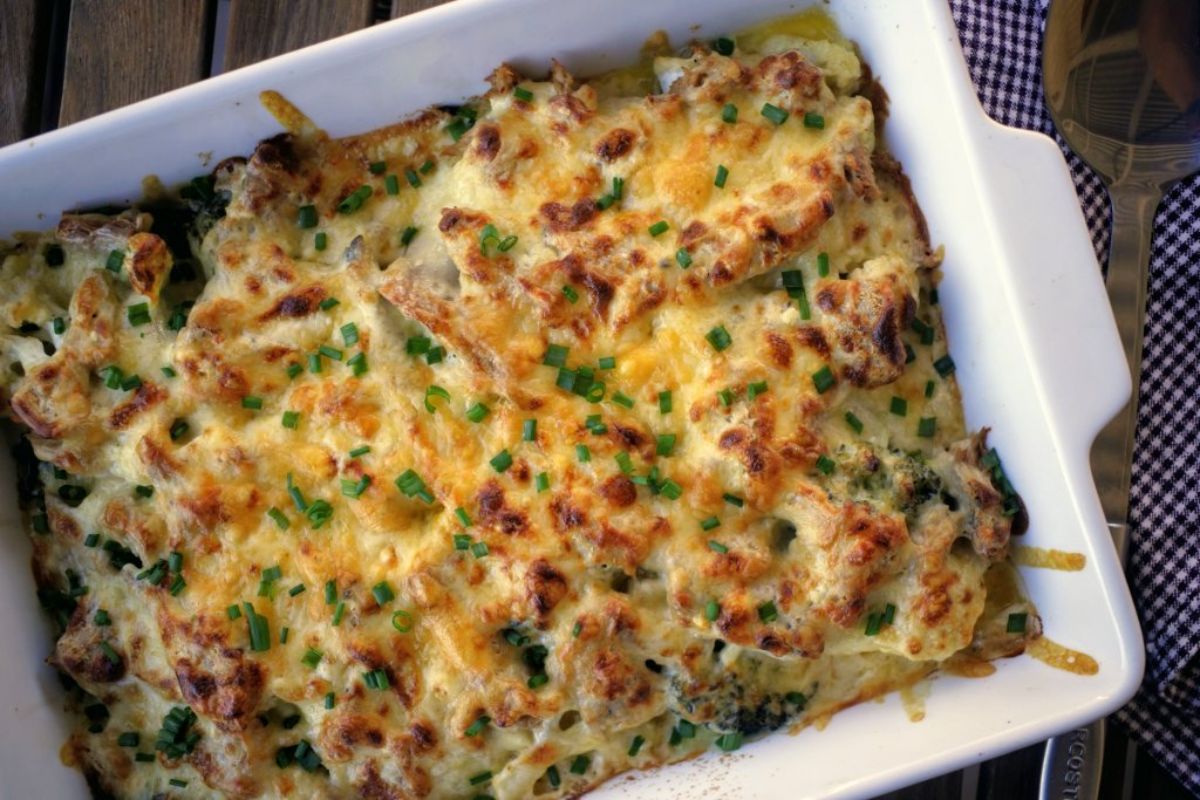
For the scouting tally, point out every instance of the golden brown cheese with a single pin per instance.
(501, 451)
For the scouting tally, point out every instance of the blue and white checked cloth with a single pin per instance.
(1002, 41)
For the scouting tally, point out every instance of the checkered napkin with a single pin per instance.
(1002, 42)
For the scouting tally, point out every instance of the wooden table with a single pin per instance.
(65, 60)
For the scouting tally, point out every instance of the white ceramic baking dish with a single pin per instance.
(1029, 325)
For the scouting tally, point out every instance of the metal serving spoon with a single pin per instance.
(1122, 82)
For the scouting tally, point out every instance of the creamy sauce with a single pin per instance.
(913, 697)
(963, 665)
(1060, 657)
(1044, 558)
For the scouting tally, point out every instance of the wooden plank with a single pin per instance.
(946, 787)
(260, 29)
(19, 84)
(402, 7)
(121, 51)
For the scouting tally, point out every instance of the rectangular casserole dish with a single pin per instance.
(1029, 325)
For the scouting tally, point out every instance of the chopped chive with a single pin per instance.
(733, 500)
(431, 392)
(175, 561)
(354, 489)
(708, 523)
(377, 167)
(570, 293)
(636, 745)
(311, 658)
(339, 611)
(854, 422)
(479, 549)
(354, 201)
(583, 453)
(719, 338)
(306, 217)
(926, 427)
(898, 406)
(299, 588)
(463, 516)
(529, 430)
(413, 179)
(670, 489)
(427, 167)
(664, 402)
(330, 592)
(874, 623)
(314, 362)
(659, 228)
(115, 260)
(556, 356)
(330, 352)
(767, 612)
(823, 264)
(712, 610)
(476, 727)
(552, 777)
(826, 464)
(1017, 622)
(358, 365)
(726, 397)
(252, 402)
(723, 45)
(683, 257)
(944, 365)
(283, 634)
(138, 314)
(524, 95)
(608, 362)
(579, 764)
(383, 593)
(728, 742)
(330, 699)
(143, 490)
(541, 679)
(109, 653)
(813, 120)
(624, 462)
(291, 419)
(622, 400)
(168, 372)
(823, 379)
(436, 355)
(501, 461)
(328, 303)
(665, 443)
(929, 387)
(59, 325)
(293, 370)
(755, 389)
(233, 612)
(482, 777)
(889, 614)
(462, 541)
(478, 412)
(391, 185)
(91, 540)
(729, 113)
(774, 113)
(178, 429)
(576, 629)
(129, 739)
(722, 176)
(349, 333)
(541, 482)
(360, 451)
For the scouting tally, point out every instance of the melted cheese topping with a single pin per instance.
(665, 448)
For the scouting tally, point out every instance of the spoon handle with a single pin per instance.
(1071, 766)
(1133, 209)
